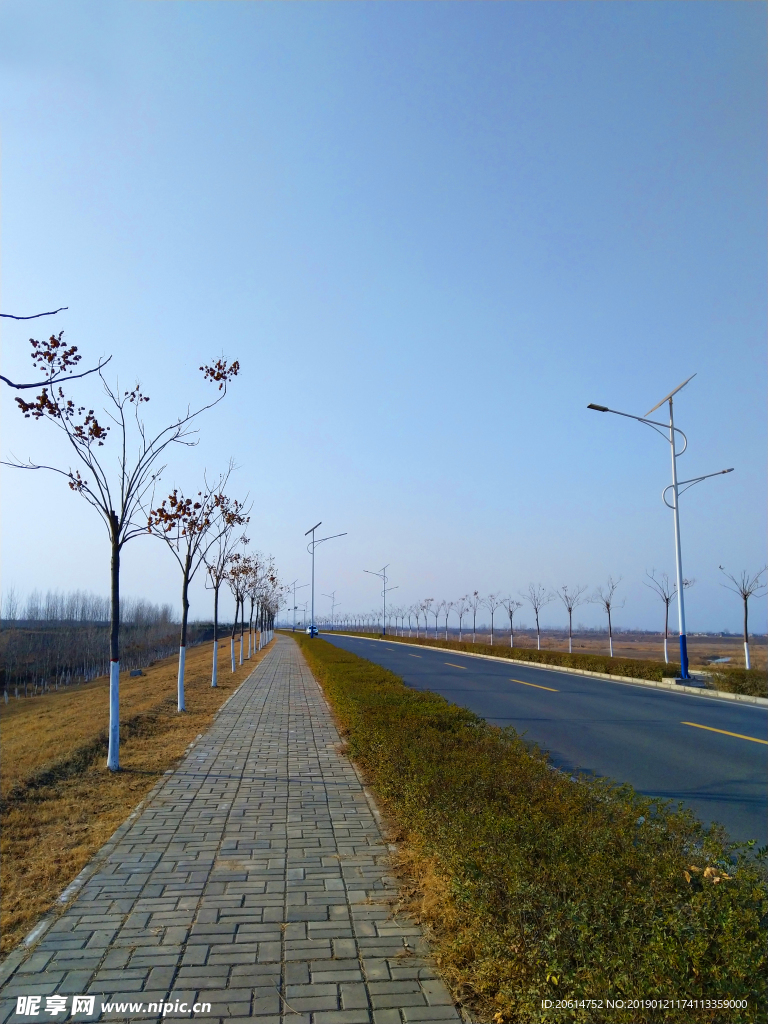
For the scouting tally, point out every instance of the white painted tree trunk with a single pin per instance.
(570, 645)
(241, 648)
(538, 641)
(215, 673)
(232, 651)
(180, 687)
(250, 634)
(666, 652)
(746, 654)
(610, 645)
(113, 756)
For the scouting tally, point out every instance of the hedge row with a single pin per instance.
(552, 889)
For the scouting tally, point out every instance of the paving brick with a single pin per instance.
(342, 1017)
(418, 1013)
(390, 1016)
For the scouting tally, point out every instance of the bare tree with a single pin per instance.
(492, 602)
(424, 607)
(571, 597)
(52, 359)
(666, 589)
(512, 605)
(436, 612)
(746, 586)
(217, 566)
(190, 527)
(238, 571)
(605, 597)
(538, 596)
(447, 608)
(116, 494)
(474, 602)
(413, 608)
(461, 606)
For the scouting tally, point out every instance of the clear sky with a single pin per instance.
(431, 233)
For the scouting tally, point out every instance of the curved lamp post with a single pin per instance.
(677, 487)
(311, 549)
(334, 606)
(382, 574)
(292, 586)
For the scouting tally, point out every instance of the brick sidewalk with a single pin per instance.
(254, 879)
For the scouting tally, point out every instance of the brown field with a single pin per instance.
(59, 802)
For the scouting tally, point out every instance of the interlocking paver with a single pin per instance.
(255, 878)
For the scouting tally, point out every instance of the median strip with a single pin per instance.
(724, 732)
(538, 687)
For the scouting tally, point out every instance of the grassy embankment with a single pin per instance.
(536, 887)
(59, 803)
(732, 680)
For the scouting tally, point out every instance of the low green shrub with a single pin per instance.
(752, 681)
(555, 889)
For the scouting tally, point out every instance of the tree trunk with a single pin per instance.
(183, 644)
(538, 633)
(215, 672)
(491, 627)
(666, 631)
(234, 632)
(746, 635)
(610, 633)
(570, 631)
(113, 755)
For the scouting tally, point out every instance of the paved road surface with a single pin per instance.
(630, 733)
(254, 880)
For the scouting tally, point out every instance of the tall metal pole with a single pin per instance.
(311, 548)
(678, 552)
(677, 487)
(382, 574)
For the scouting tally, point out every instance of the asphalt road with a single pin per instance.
(671, 745)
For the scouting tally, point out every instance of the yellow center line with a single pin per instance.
(456, 666)
(523, 683)
(724, 732)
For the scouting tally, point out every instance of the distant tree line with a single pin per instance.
(53, 640)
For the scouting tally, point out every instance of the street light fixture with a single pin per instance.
(295, 606)
(382, 574)
(334, 604)
(311, 549)
(668, 431)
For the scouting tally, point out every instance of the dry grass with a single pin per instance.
(59, 802)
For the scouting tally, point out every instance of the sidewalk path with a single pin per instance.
(254, 879)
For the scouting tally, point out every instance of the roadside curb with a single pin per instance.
(696, 691)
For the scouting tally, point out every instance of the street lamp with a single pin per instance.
(333, 606)
(382, 574)
(311, 549)
(294, 598)
(677, 487)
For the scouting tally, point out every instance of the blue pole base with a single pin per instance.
(684, 673)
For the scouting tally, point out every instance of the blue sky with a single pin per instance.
(431, 233)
